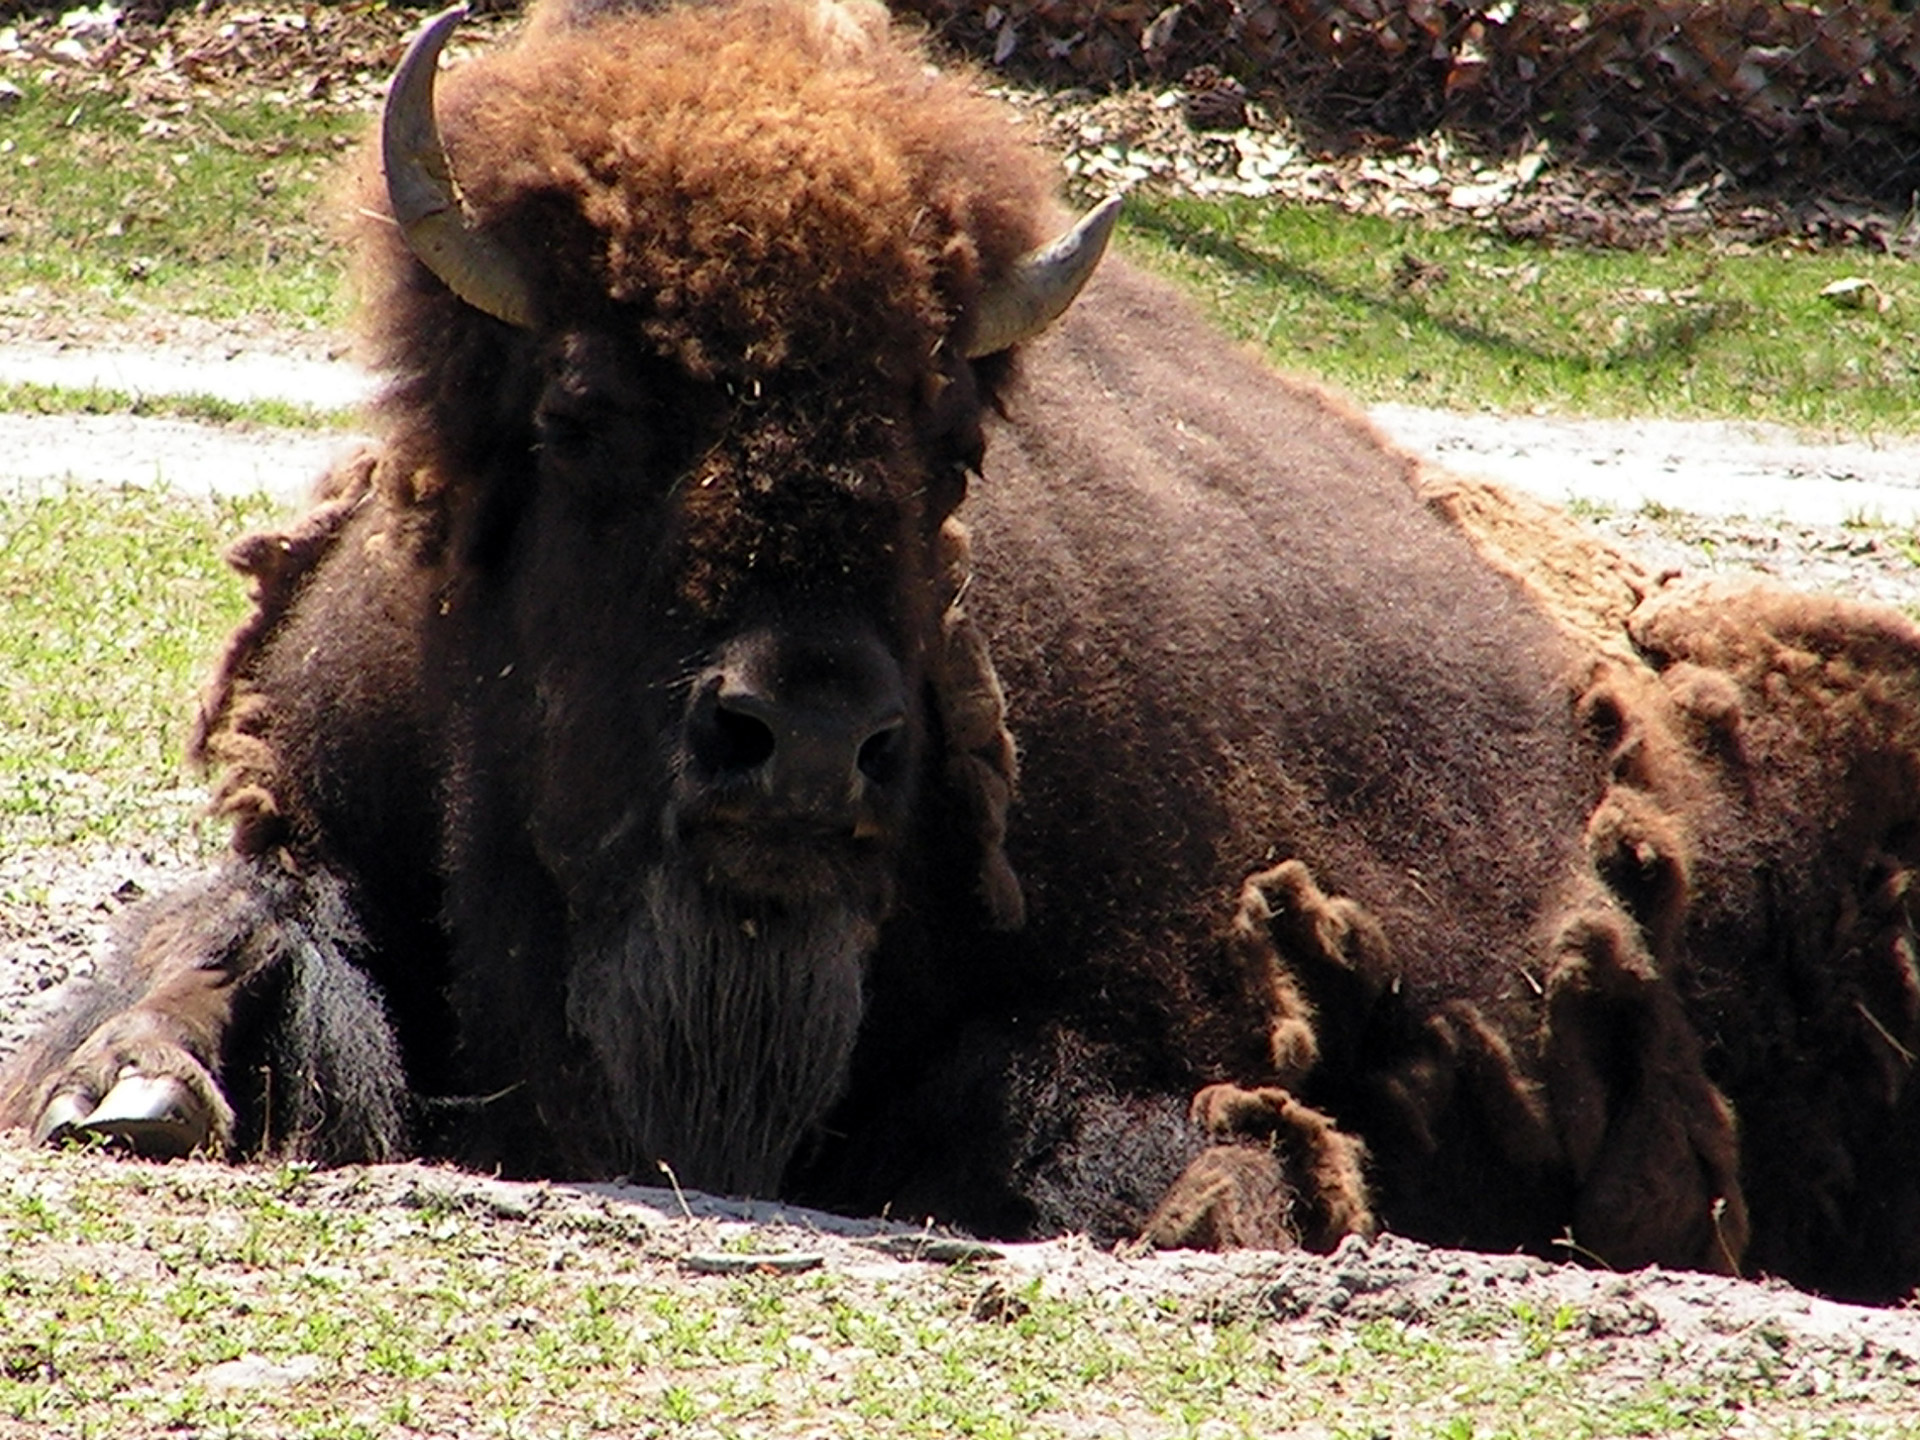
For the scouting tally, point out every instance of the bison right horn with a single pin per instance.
(1042, 284)
(439, 229)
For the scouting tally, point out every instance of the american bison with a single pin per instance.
(622, 755)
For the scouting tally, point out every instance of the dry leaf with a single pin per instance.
(1855, 292)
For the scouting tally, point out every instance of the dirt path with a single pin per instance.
(1712, 468)
(1715, 470)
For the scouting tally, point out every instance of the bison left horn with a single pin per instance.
(1042, 284)
(425, 200)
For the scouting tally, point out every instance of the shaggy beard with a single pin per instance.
(723, 1028)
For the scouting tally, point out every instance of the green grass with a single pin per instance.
(213, 211)
(27, 398)
(402, 1303)
(1463, 319)
(112, 604)
(217, 212)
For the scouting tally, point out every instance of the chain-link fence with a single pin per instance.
(1774, 94)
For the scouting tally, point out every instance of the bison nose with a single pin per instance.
(819, 758)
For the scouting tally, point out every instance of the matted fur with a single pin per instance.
(982, 761)
(1761, 749)
(229, 736)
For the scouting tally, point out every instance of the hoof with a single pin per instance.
(158, 1118)
(61, 1119)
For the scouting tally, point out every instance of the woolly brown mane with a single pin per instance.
(848, 189)
(756, 191)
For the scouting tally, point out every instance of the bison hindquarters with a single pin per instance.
(230, 1016)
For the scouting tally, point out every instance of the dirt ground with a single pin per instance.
(1633, 1333)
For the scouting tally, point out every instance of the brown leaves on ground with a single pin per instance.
(1192, 128)
(1773, 93)
(307, 55)
(1135, 137)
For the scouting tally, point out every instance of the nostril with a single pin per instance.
(732, 742)
(882, 753)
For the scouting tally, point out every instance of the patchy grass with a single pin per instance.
(212, 211)
(1464, 319)
(114, 204)
(27, 398)
(144, 1300)
(111, 605)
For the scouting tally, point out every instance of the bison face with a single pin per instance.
(688, 649)
(697, 400)
(719, 607)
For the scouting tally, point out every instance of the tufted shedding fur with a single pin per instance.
(982, 763)
(1252, 837)
(228, 737)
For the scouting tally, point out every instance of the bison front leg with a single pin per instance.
(1279, 1174)
(253, 959)
(1653, 1143)
(141, 1081)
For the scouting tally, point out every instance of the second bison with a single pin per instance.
(622, 756)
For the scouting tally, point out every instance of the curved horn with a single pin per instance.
(1042, 284)
(425, 200)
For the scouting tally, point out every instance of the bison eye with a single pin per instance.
(884, 755)
(604, 455)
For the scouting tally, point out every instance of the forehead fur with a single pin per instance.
(753, 188)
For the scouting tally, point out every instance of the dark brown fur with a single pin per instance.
(1384, 851)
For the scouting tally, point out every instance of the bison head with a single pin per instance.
(692, 319)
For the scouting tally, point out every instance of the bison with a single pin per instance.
(764, 708)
